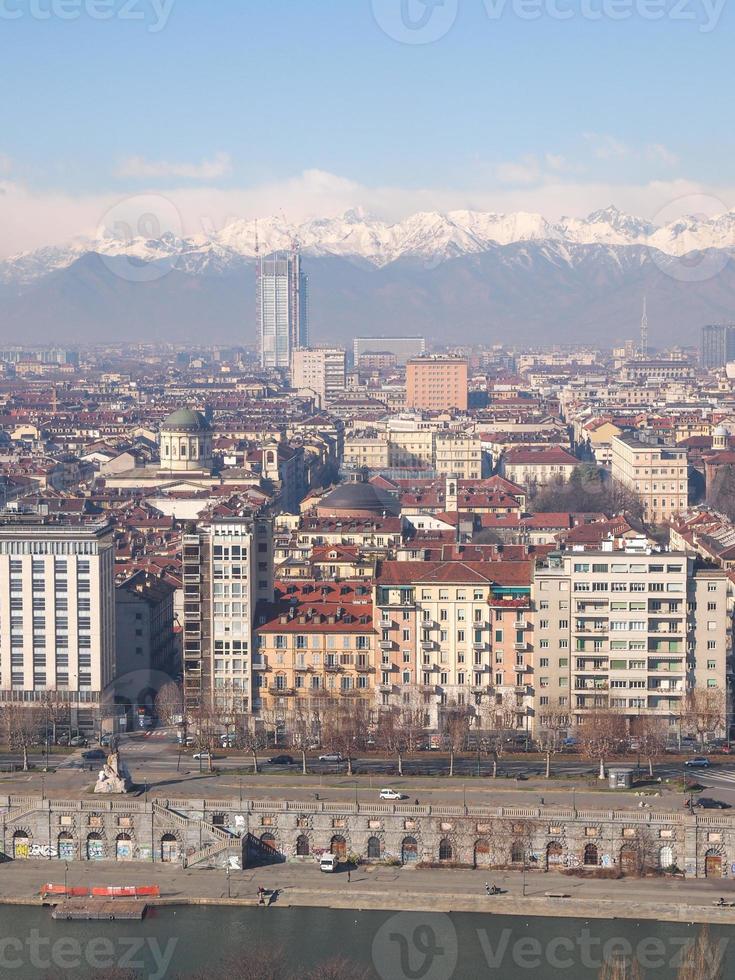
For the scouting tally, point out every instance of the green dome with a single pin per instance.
(185, 420)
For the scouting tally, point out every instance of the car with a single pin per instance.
(698, 762)
(202, 755)
(281, 760)
(707, 803)
(107, 739)
(390, 794)
(228, 741)
(79, 741)
(94, 754)
(185, 739)
(331, 757)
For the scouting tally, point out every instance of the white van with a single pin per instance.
(328, 862)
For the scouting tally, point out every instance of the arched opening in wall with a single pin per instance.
(712, 865)
(554, 855)
(628, 860)
(21, 845)
(666, 857)
(66, 847)
(374, 848)
(445, 849)
(338, 846)
(517, 853)
(124, 848)
(409, 850)
(95, 847)
(303, 848)
(482, 852)
(170, 851)
(590, 855)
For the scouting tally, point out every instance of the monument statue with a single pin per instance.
(114, 776)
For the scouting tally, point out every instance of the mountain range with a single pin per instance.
(460, 274)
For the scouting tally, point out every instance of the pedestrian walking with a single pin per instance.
(349, 875)
(487, 887)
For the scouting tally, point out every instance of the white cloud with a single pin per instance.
(219, 166)
(606, 147)
(658, 153)
(31, 218)
(524, 171)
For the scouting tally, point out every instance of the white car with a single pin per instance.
(331, 757)
(202, 755)
(390, 794)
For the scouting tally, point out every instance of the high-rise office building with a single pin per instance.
(227, 570)
(57, 614)
(282, 308)
(718, 344)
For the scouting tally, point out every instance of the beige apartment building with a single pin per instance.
(436, 383)
(658, 474)
(456, 633)
(57, 614)
(627, 630)
(448, 452)
(321, 370)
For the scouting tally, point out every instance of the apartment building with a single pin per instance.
(320, 370)
(457, 633)
(537, 465)
(227, 570)
(416, 448)
(627, 630)
(57, 614)
(436, 383)
(658, 474)
(312, 651)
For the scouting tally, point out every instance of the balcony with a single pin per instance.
(479, 645)
(365, 669)
(333, 668)
(303, 668)
(259, 665)
(386, 645)
(520, 645)
(427, 644)
(520, 624)
(385, 688)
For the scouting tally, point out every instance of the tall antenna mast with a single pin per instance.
(644, 331)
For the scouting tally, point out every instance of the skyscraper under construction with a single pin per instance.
(282, 307)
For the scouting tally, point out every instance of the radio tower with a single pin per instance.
(644, 331)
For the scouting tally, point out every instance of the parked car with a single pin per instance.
(78, 741)
(228, 741)
(698, 762)
(331, 757)
(281, 760)
(707, 803)
(94, 754)
(106, 739)
(390, 794)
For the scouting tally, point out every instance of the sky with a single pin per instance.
(203, 111)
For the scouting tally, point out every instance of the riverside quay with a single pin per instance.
(232, 833)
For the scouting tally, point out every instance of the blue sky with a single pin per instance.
(239, 107)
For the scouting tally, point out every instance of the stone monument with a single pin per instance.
(114, 776)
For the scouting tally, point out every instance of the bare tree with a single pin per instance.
(299, 729)
(704, 711)
(21, 725)
(170, 703)
(651, 735)
(554, 721)
(620, 968)
(455, 726)
(253, 741)
(702, 959)
(600, 734)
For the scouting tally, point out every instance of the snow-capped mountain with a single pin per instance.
(484, 276)
(429, 235)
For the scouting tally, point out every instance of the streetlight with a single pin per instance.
(227, 872)
(66, 873)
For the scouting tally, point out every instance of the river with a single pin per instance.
(397, 946)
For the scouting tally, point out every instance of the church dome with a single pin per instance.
(720, 431)
(185, 420)
(359, 500)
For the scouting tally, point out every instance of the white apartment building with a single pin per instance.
(657, 473)
(227, 570)
(57, 614)
(320, 370)
(629, 631)
(420, 446)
